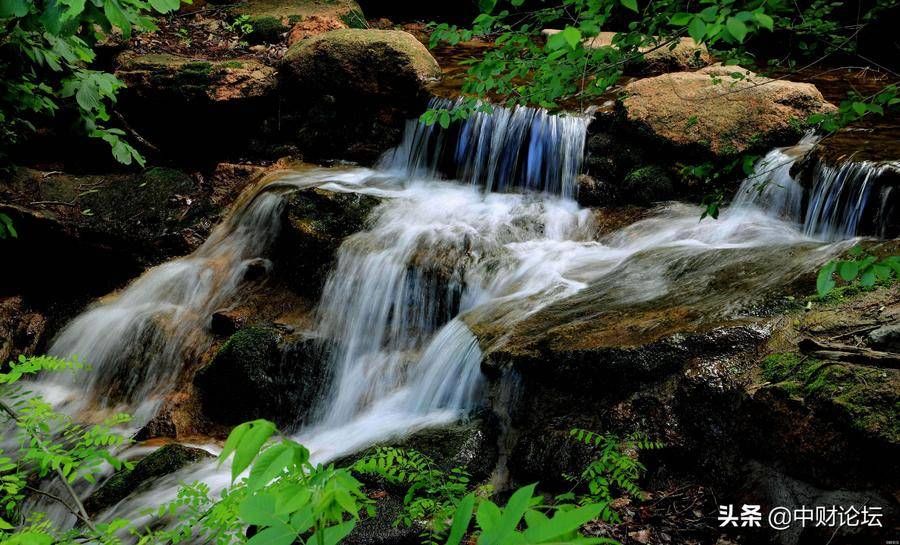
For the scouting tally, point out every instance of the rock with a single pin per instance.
(682, 54)
(113, 225)
(227, 321)
(291, 12)
(376, 81)
(313, 26)
(471, 445)
(316, 221)
(177, 102)
(708, 113)
(593, 192)
(886, 337)
(266, 29)
(22, 329)
(160, 463)
(381, 528)
(646, 185)
(258, 373)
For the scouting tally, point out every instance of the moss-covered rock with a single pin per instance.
(316, 221)
(258, 373)
(353, 90)
(267, 29)
(159, 463)
(646, 185)
(293, 11)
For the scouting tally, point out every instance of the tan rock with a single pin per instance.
(721, 110)
(313, 26)
(681, 54)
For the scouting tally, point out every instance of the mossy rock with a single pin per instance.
(315, 224)
(258, 373)
(646, 185)
(868, 397)
(267, 29)
(159, 463)
(292, 11)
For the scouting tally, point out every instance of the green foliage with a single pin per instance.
(861, 269)
(524, 519)
(46, 49)
(615, 468)
(432, 495)
(856, 107)
(7, 229)
(355, 19)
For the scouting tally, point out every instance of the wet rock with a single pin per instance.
(471, 445)
(112, 225)
(886, 337)
(659, 58)
(160, 463)
(227, 321)
(593, 192)
(720, 112)
(376, 80)
(176, 102)
(646, 185)
(258, 373)
(315, 224)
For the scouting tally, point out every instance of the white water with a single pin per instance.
(834, 207)
(438, 258)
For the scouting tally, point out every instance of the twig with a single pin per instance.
(136, 135)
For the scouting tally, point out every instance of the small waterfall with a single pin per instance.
(840, 203)
(501, 150)
(137, 341)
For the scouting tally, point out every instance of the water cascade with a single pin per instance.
(439, 262)
(500, 150)
(844, 200)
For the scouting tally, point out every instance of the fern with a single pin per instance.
(615, 468)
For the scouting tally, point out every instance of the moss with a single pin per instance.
(868, 396)
(647, 184)
(266, 29)
(250, 344)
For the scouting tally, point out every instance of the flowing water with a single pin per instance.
(438, 259)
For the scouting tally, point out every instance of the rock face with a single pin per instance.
(178, 102)
(160, 463)
(711, 113)
(375, 81)
(682, 54)
(22, 329)
(258, 373)
(316, 221)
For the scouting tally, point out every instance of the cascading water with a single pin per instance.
(439, 260)
(500, 150)
(838, 202)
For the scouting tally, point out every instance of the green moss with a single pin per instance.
(647, 184)
(868, 396)
(266, 29)
(250, 344)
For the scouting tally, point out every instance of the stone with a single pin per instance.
(159, 463)
(259, 373)
(709, 113)
(377, 80)
(886, 337)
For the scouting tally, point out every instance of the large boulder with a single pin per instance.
(197, 109)
(259, 373)
(354, 89)
(719, 112)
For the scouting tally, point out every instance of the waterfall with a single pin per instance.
(839, 204)
(442, 273)
(501, 150)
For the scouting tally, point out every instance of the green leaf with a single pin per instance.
(867, 280)
(117, 17)
(765, 21)
(5, 525)
(630, 4)
(737, 28)
(259, 510)
(13, 8)
(280, 534)
(697, 29)
(824, 281)
(681, 19)
(859, 107)
(444, 119)
(572, 36)
(461, 520)
(271, 463)
(515, 508)
(848, 270)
